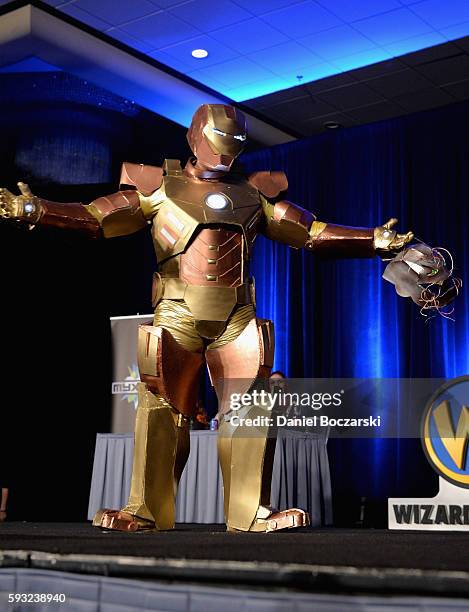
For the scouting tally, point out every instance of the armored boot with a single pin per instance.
(160, 454)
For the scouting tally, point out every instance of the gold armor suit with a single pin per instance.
(204, 221)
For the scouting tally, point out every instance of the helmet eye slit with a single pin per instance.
(241, 137)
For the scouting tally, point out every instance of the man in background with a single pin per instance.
(3, 504)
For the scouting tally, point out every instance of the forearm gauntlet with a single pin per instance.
(341, 241)
(298, 228)
(69, 216)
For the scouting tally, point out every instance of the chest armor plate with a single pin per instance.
(190, 203)
(214, 258)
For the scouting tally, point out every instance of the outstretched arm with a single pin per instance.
(286, 222)
(118, 214)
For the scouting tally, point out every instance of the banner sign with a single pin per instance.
(445, 439)
(125, 374)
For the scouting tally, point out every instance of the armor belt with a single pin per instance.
(211, 307)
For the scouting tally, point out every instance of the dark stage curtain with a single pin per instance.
(67, 139)
(339, 318)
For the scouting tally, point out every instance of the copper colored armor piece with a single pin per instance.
(119, 214)
(214, 258)
(145, 178)
(70, 216)
(185, 209)
(289, 223)
(347, 241)
(288, 212)
(269, 184)
(216, 136)
(236, 365)
(285, 519)
(118, 520)
(168, 369)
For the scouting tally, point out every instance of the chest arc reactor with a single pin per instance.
(216, 201)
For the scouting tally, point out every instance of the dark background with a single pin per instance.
(67, 138)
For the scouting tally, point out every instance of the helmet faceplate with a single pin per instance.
(217, 136)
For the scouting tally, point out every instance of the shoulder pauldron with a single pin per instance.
(270, 184)
(145, 178)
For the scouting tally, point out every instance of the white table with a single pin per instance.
(300, 477)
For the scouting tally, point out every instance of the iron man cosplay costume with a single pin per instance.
(204, 221)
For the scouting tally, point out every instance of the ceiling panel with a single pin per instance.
(259, 7)
(376, 112)
(285, 39)
(217, 52)
(414, 82)
(378, 69)
(390, 27)
(308, 74)
(207, 15)
(448, 70)
(456, 31)
(399, 83)
(338, 42)
(302, 63)
(287, 58)
(350, 62)
(350, 96)
(423, 100)
(257, 35)
(401, 47)
(91, 20)
(353, 10)
(301, 109)
(302, 19)
(129, 40)
(440, 14)
(160, 29)
(432, 54)
(238, 72)
(460, 90)
(114, 12)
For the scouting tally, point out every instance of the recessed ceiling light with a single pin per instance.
(199, 53)
(332, 125)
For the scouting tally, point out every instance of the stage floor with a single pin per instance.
(321, 559)
(350, 547)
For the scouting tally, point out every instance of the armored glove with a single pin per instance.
(24, 207)
(388, 240)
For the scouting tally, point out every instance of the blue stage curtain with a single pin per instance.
(340, 318)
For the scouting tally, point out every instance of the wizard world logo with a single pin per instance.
(445, 431)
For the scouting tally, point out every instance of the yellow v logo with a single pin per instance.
(456, 443)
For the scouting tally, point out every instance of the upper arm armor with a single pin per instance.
(126, 212)
(118, 214)
(286, 222)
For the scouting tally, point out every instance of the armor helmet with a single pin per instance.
(217, 136)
